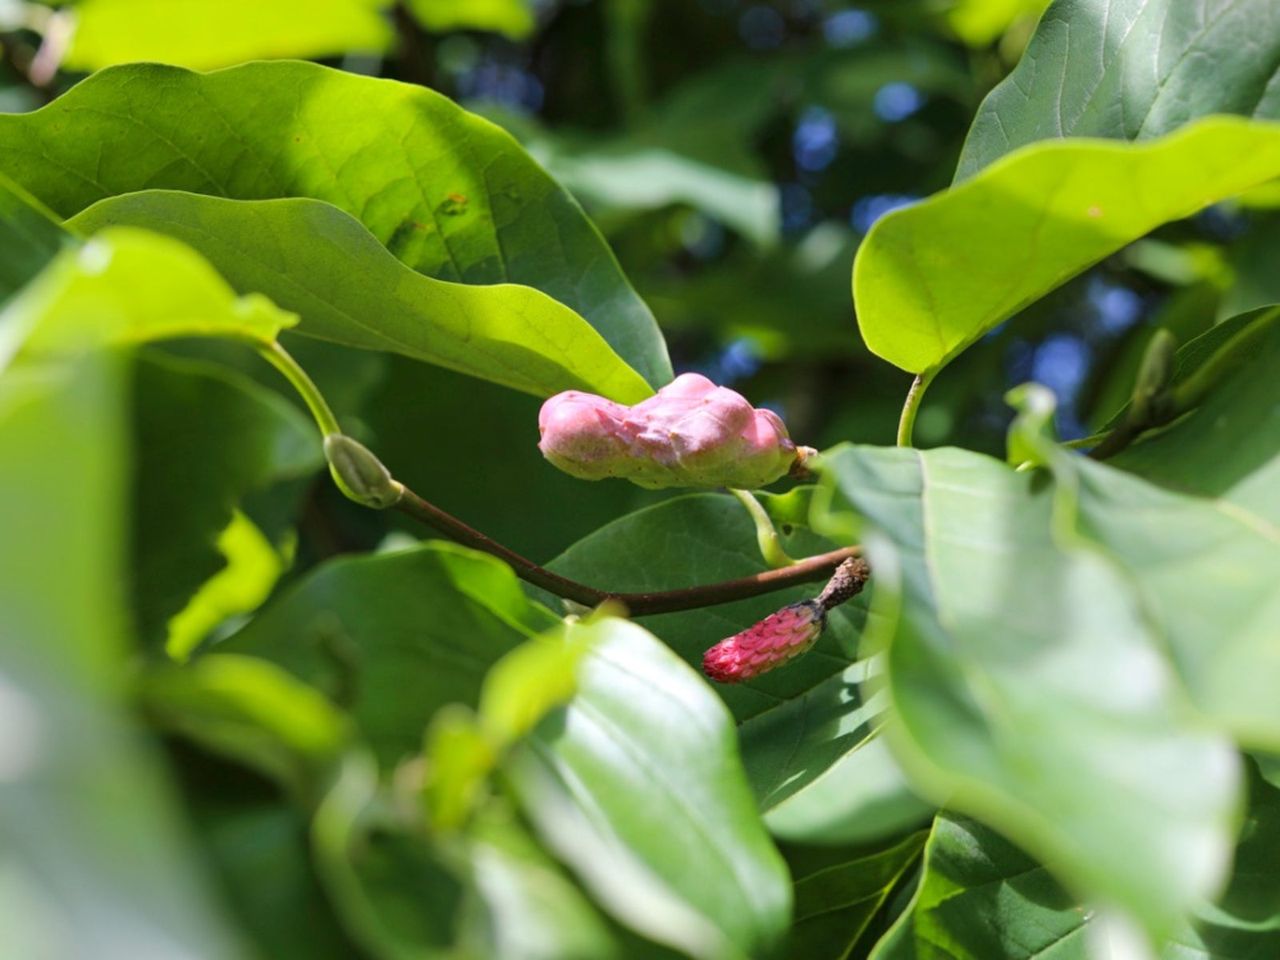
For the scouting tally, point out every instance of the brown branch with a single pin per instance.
(809, 570)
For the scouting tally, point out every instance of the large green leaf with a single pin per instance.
(980, 898)
(806, 732)
(1131, 69)
(216, 33)
(637, 786)
(1002, 639)
(206, 439)
(529, 909)
(321, 263)
(396, 636)
(932, 278)
(130, 286)
(1228, 447)
(93, 855)
(449, 194)
(1205, 572)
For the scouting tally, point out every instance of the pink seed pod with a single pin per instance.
(776, 639)
(691, 433)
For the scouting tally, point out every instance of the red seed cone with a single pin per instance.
(779, 637)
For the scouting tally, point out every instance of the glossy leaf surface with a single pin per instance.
(638, 787)
(932, 278)
(449, 194)
(999, 635)
(321, 263)
(1130, 70)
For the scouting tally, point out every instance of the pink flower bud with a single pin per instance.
(691, 433)
(779, 637)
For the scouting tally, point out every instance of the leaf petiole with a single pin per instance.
(911, 406)
(766, 534)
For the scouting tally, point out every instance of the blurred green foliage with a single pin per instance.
(241, 716)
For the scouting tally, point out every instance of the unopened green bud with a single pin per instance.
(359, 474)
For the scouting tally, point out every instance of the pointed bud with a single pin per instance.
(776, 639)
(359, 474)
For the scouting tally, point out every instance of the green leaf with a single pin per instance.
(637, 786)
(1129, 70)
(932, 278)
(252, 567)
(980, 22)
(130, 286)
(1002, 638)
(321, 263)
(203, 34)
(838, 892)
(395, 636)
(981, 897)
(861, 797)
(391, 890)
(530, 909)
(802, 728)
(250, 710)
(511, 18)
(529, 682)
(1228, 447)
(1206, 576)
(449, 194)
(206, 440)
(95, 862)
(30, 236)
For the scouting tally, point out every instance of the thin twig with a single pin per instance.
(809, 570)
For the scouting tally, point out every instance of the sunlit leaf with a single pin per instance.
(512, 18)
(216, 33)
(449, 194)
(130, 286)
(531, 910)
(207, 440)
(312, 258)
(253, 565)
(932, 278)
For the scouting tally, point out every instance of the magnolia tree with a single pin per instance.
(908, 703)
